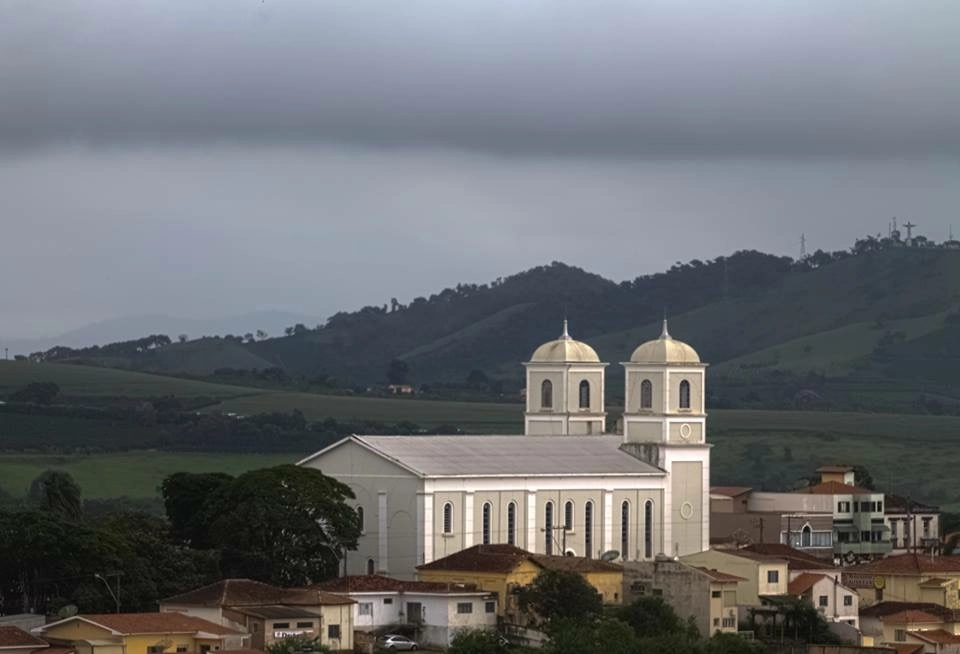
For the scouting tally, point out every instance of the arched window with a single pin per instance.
(371, 567)
(360, 518)
(512, 523)
(546, 394)
(568, 516)
(624, 530)
(646, 394)
(648, 529)
(684, 394)
(448, 518)
(486, 523)
(548, 528)
(806, 536)
(584, 394)
(588, 530)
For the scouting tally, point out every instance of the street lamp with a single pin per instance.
(115, 596)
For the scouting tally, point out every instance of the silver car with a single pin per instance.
(396, 643)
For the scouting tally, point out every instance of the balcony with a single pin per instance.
(863, 548)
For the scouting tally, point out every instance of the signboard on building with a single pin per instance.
(862, 580)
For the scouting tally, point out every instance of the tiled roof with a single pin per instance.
(729, 491)
(59, 649)
(229, 592)
(908, 648)
(382, 584)
(721, 577)
(313, 597)
(900, 504)
(933, 582)
(835, 488)
(906, 564)
(939, 636)
(796, 560)
(803, 583)
(275, 612)
(166, 622)
(17, 637)
(505, 558)
(912, 616)
(753, 556)
(882, 609)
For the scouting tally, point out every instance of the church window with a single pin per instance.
(648, 529)
(486, 523)
(646, 394)
(624, 530)
(448, 518)
(588, 529)
(360, 518)
(584, 394)
(512, 523)
(546, 394)
(568, 516)
(371, 566)
(548, 528)
(684, 394)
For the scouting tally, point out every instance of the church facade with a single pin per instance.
(564, 487)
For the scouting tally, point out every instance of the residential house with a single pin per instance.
(872, 617)
(500, 569)
(14, 640)
(927, 629)
(914, 526)
(762, 575)
(707, 596)
(832, 599)
(140, 633)
(269, 613)
(907, 578)
(435, 609)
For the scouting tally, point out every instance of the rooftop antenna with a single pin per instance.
(951, 233)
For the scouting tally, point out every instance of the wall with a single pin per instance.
(341, 614)
(684, 589)
(754, 573)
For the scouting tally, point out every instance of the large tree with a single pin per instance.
(560, 595)
(286, 525)
(184, 496)
(56, 491)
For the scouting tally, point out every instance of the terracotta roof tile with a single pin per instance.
(803, 583)
(380, 583)
(152, 623)
(505, 558)
(882, 609)
(574, 563)
(908, 648)
(835, 488)
(796, 559)
(729, 491)
(906, 564)
(939, 636)
(912, 616)
(230, 592)
(17, 637)
(933, 582)
(59, 649)
(718, 576)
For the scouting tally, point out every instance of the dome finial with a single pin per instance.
(566, 334)
(665, 334)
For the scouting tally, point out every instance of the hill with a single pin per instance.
(874, 331)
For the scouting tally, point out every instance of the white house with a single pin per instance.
(563, 487)
(836, 602)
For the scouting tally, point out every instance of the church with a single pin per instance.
(565, 486)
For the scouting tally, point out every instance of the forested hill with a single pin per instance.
(871, 328)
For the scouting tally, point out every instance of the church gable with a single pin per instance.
(351, 457)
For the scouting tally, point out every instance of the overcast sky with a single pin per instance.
(205, 158)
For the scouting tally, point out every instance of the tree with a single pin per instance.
(261, 334)
(478, 378)
(36, 393)
(183, 338)
(57, 492)
(732, 644)
(651, 617)
(398, 372)
(560, 595)
(478, 641)
(286, 525)
(184, 495)
(591, 636)
(298, 645)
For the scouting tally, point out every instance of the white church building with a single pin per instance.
(565, 486)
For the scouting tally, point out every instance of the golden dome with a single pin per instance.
(564, 350)
(664, 350)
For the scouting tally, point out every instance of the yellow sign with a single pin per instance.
(879, 582)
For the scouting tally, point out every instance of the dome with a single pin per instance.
(664, 350)
(564, 350)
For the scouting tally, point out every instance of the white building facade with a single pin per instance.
(562, 487)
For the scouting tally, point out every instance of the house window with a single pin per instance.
(254, 627)
(716, 593)
(464, 607)
(333, 631)
(893, 530)
(773, 576)
(879, 507)
(568, 516)
(490, 607)
(365, 608)
(716, 622)
(684, 394)
(646, 394)
(486, 523)
(864, 536)
(548, 528)
(878, 595)
(900, 635)
(281, 625)
(306, 625)
(926, 527)
(729, 623)
(512, 523)
(388, 600)
(546, 394)
(448, 518)
(588, 529)
(371, 566)
(155, 649)
(181, 649)
(848, 600)
(648, 529)
(584, 394)
(822, 600)
(624, 530)
(843, 507)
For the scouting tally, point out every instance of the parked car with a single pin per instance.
(396, 643)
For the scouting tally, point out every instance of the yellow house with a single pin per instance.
(498, 568)
(907, 578)
(140, 633)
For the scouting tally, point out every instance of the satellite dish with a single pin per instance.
(67, 611)
(610, 555)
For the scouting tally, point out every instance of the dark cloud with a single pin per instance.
(606, 77)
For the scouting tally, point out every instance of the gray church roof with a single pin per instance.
(467, 456)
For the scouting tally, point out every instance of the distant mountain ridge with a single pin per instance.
(876, 329)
